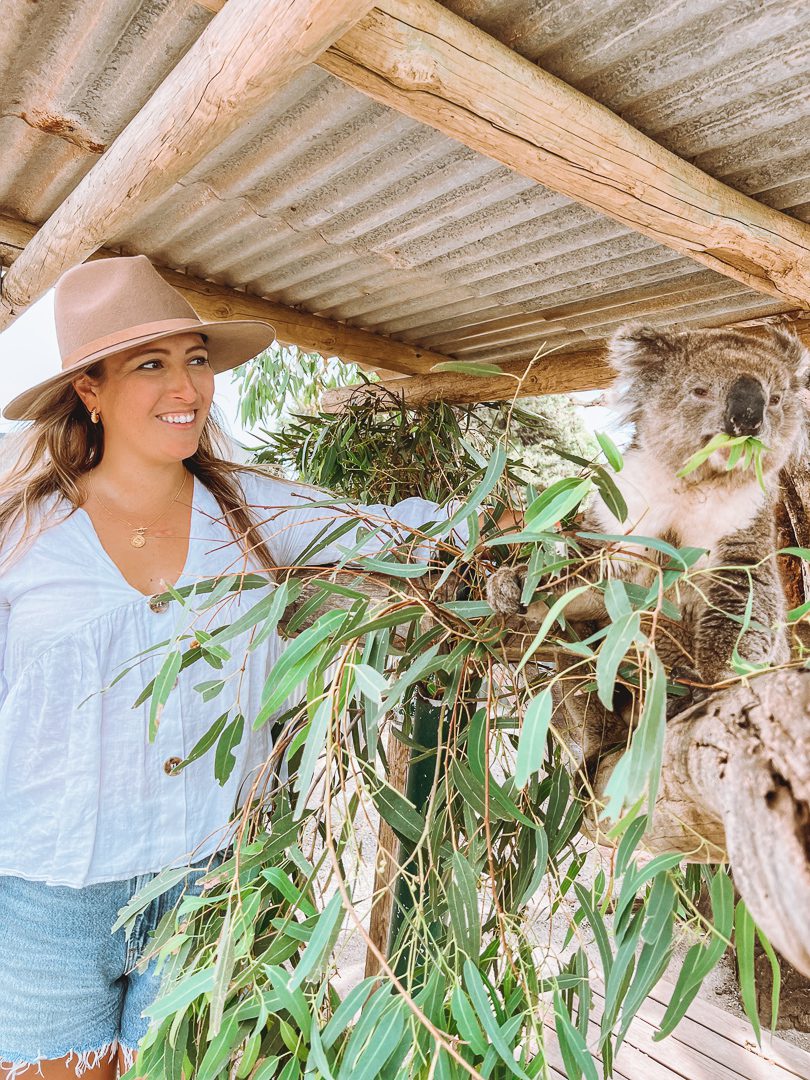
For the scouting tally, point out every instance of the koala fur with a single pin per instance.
(678, 389)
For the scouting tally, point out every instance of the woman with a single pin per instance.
(118, 492)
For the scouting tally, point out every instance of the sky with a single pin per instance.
(29, 353)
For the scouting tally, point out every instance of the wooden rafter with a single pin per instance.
(311, 332)
(563, 373)
(583, 370)
(248, 52)
(417, 57)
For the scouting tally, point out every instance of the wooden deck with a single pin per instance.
(708, 1044)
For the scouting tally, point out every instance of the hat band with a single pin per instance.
(129, 334)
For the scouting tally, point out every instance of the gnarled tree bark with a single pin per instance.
(735, 785)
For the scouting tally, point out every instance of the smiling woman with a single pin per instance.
(123, 488)
(154, 400)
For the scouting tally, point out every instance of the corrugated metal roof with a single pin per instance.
(332, 203)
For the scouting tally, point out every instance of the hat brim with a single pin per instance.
(229, 343)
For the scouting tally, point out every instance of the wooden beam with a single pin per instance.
(563, 374)
(417, 57)
(555, 373)
(310, 332)
(247, 53)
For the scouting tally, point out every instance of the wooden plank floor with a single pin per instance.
(708, 1044)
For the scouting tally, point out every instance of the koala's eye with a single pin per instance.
(774, 399)
(699, 391)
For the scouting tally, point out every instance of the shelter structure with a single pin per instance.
(415, 182)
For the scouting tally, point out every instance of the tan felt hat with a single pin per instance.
(109, 305)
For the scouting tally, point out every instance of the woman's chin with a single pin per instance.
(174, 445)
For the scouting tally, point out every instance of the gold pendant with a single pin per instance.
(138, 540)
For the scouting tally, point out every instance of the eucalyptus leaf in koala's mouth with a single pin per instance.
(745, 450)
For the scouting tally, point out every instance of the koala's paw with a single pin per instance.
(504, 589)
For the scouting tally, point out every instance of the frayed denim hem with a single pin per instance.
(85, 1060)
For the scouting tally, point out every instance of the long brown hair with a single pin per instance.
(50, 454)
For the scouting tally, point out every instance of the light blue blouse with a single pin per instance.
(84, 795)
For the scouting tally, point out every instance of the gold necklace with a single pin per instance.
(138, 539)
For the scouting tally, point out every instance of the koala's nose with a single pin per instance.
(745, 407)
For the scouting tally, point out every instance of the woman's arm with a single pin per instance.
(303, 525)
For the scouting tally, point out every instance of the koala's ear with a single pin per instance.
(796, 355)
(635, 347)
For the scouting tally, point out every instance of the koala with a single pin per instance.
(678, 390)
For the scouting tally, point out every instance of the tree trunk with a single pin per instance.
(736, 781)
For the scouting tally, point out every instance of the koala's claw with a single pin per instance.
(504, 590)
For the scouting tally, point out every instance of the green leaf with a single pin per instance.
(652, 963)
(159, 884)
(320, 945)
(467, 1022)
(483, 1008)
(539, 868)
(344, 1013)
(462, 902)
(370, 682)
(468, 368)
(640, 766)
(369, 1017)
(317, 1057)
(494, 471)
(270, 607)
(291, 998)
(204, 744)
(744, 944)
(313, 748)
(395, 809)
(628, 844)
(164, 681)
(551, 616)
(620, 636)
(675, 554)
(752, 447)
(382, 1043)
(572, 1046)
(600, 932)
(610, 450)
(393, 568)
(220, 1049)
(186, 991)
(268, 1069)
(532, 744)
(225, 759)
(175, 1048)
(611, 495)
(776, 977)
(638, 876)
(295, 664)
(700, 959)
(223, 969)
(555, 503)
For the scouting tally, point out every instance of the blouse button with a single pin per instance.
(157, 605)
(170, 764)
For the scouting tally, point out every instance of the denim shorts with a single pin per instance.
(68, 987)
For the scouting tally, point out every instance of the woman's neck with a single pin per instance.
(138, 484)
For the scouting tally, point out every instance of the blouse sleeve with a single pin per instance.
(307, 526)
